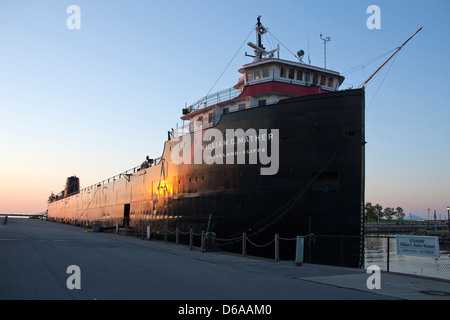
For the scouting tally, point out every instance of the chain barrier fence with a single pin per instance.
(377, 250)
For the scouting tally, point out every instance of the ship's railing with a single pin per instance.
(189, 128)
(126, 174)
(214, 98)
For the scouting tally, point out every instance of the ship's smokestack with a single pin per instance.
(72, 186)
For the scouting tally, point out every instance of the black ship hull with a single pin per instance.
(318, 187)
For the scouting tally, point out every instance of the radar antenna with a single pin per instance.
(259, 49)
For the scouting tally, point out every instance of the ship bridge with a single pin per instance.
(265, 81)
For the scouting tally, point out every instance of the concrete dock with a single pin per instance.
(35, 256)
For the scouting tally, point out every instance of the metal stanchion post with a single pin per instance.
(299, 250)
(202, 245)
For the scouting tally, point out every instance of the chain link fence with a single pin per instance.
(382, 251)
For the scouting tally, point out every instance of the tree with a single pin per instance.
(373, 212)
(399, 213)
(378, 211)
(370, 212)
(388, 213)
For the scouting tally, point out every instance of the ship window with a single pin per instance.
(291, 73)
(249, 75)
(315, 78)
(323, 80)
(330, 82)
(210, 117)
(199, 121)
(225, 110)
(241, 106)
(299, 75)
(307, 77)
(265, 72)
(257, 74)
(282, 72)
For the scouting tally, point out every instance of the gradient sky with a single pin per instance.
(96, 101)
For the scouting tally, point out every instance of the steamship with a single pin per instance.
(281, 152)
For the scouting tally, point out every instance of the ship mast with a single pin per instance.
(260, 30)
(260, 50)
(398, 49)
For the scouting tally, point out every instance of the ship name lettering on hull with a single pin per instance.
(237, 143)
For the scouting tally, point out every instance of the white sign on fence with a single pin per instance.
(422, 246)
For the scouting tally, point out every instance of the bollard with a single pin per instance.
(277, 247)
(299, 251)
(117, 227)
(177, 235)
(148, 232)
(244, 244)
(191, 238)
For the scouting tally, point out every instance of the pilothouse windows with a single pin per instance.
(265, 72)
(330, 82)
(291, 73)
(249, 75)
(257, 74)
(307, 77)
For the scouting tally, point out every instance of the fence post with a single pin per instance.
(165, 234)
(277, 247)
(299, 250)
(117, 227)
(244, 244)
(191, 238)
(388, 253)
(202, 245)
(177, 235)
(148, 232)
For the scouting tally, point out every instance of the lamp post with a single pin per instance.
(448, 217)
